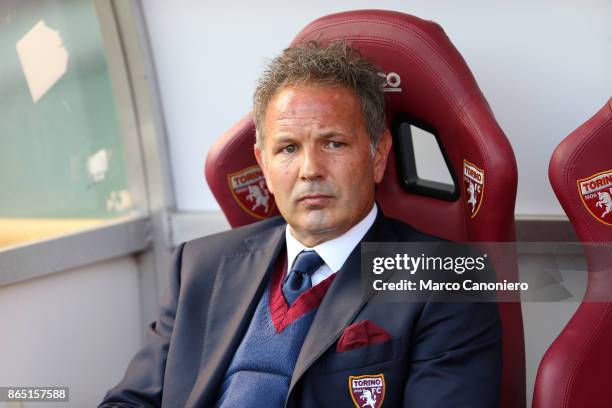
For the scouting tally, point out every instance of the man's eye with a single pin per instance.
(288, 149)
(335, 145)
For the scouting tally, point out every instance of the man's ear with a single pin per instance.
(381, 154)
(259, 156)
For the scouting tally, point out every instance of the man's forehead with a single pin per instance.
(313, 110)
(280, 131)
(310, 96)
(310, 102)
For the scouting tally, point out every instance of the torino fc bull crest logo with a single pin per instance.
(367, 390)
(473, 182)
(596, 195)
(248, 187)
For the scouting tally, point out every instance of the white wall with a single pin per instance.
(77, 328)
(544, 66)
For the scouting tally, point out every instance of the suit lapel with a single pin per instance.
(341, 304)
(237, 289)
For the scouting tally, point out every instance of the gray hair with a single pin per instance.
(336, 63)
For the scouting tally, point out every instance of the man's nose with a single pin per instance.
(313, 166)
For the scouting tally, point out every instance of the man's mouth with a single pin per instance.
(315, 199)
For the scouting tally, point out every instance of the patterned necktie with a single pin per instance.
(299, 279)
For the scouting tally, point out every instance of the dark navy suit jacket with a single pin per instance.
(439, 355)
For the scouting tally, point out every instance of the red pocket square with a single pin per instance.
(360, 334)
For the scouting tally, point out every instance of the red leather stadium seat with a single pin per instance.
(429, 85)
(575, 371)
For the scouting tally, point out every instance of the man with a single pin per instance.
(272, 314)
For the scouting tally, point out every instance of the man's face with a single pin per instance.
(317, 162)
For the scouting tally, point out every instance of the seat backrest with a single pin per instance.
(575, 370)
(429, 87)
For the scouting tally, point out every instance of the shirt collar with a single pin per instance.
(334, 252)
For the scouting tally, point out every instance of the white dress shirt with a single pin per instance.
(333, 252)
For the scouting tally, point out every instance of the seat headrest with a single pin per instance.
(580, 172)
